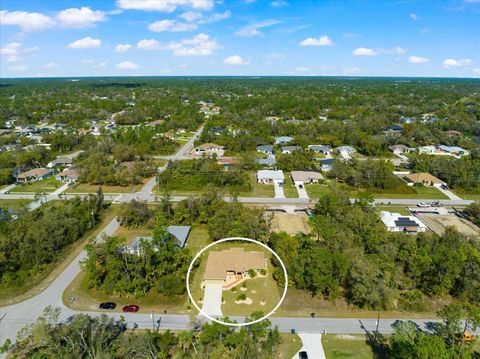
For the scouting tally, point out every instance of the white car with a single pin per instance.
(423, 204)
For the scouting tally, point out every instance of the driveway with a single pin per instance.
(212, 300)
(312, 344)
(448, 193)
(302, 192)
(8, 188)
(278, 189)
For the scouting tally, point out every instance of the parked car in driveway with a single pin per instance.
(443, 186)
(303, 355)
(132, 308)
(107, 305)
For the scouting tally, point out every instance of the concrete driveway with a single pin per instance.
(212, 300)
(312, 344)
(448, 193)
(278, 189)
(302, 192)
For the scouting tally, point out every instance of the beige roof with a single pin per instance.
(305, 175)
(234, 259)
(208, 146)
(36, 172)
(423, 177)
(70, 172)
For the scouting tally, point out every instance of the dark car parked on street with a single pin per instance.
(107, 305)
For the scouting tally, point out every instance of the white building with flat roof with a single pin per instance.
(270, 176)
(396, 222)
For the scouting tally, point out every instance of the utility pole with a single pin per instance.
(3, 316)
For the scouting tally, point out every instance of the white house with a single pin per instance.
(270, 176)
(400, 149)
(290, 149)
(209, 149)
(320, 149)
(283, 140)
(395, 222)
(453, 150)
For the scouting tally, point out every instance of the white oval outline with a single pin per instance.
(228, 240)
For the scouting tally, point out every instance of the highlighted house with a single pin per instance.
(231, 266)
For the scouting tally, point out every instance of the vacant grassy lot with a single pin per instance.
(317, 190)
(395, 209)
(14, 203)
(47, 185)
(346, 346)
(92, 188)
(289, 189)
(258, 190)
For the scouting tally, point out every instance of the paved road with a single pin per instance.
(182, 153)
(312, 344)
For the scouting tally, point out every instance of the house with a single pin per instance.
(283, 140)
(217, 131)
(320, 149)
(209, 149)
(231, 266)
(345, 151)
(290, 149)
(270, 161)
(68, 175)
(395, 222)
(423, 178)
(453, 150)
(393, 130)
(453, 133)
(400, 149)
(178, 233)
(60, 161)
(267, 149)
(326, 164)
(36, 174)
(227, 162)
(270, 176)
(427, 150)
(306, 177)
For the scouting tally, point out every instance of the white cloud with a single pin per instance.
(418, 60)
(364, 51)
(352, 70)
(85, 43)
(279, 3)
(321, 41)
(253, 29)
(121, 48)
(148, 44)
(171, 25)
(200, 45)
(216, 17)
(31, 49)
(27, 21)
(476, 71)
(398, 50)
(18, 68)
(456, 63)
(80, 17)
(50, 65)
(414, 16)
(235, 60)
(13, 50)
(127, 65)
(191, 16)
(164, 5)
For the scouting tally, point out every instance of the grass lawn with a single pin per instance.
(14, 203)
(197, 239)
(92, 188)
(258, 189)
(289, 189)
(131, 234)
(467, 195)
(47, 185)
(396, 209)
(338, 346)
(41, 281)
(289, 346)
(316, 190)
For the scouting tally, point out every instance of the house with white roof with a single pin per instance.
(270, 176)
(283, 140)
(320, 149)
(395, 222)
(454, 150)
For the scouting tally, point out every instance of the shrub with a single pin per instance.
(242, 296)
(234, 289)
(263, 271)
(244, 285)
(252, 273)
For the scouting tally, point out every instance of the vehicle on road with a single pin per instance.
(303, 355)
(436, 204)
(132, 308)
(423, 204)
(107, 305)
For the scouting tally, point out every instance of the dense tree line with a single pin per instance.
(31, 244)
(355, 258)
(103, 337)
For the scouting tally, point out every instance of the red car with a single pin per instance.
(131, 308)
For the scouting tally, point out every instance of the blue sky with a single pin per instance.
(239, 37)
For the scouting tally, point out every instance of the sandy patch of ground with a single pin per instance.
(290, 223)
(439, 223)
